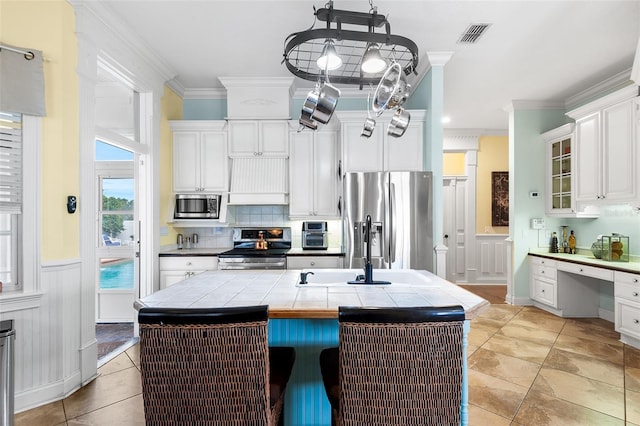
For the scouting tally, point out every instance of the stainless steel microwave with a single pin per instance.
(197, 206)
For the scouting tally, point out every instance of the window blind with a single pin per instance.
(10, 163)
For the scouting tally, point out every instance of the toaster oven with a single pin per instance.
(314, 236)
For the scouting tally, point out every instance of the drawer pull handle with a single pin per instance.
(635, 294)
(581, 270)
(313, 263)
(636, 321)
(635, 280)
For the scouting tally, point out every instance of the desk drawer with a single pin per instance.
(541, 261)
(627, 291)
(627, 278)
(549, 272)
(588, 271)
(628, 318)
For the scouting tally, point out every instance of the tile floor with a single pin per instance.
(526, 367)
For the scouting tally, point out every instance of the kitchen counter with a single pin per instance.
(305, 317)
(327, 252)
(194, 252)
(589, 260)
(278, 289)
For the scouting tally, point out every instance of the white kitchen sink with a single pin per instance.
(339, 277)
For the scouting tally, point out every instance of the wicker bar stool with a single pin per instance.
(396, 366)
(211, 367)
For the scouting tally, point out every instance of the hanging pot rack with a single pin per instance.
(303, 48)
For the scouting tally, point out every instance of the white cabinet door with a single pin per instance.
(268, 138)
(620, 152)
(301, 174)
(243, 138)
(314, 183)
(274, 138)
(381, 152)
(588, 156)
(607, 152)
(186, 176)
(326, 179)
(200, 160)
(214, 163)
(404, 154)
(560, 172)
(362, 154)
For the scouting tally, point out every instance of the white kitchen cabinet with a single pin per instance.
(200, 162)
(314, 176)
(317, 262)
(607, 156)
(177, 268)
(543, 281)
(627, 307)
(381, 152)
(249, 138)
(560, 182)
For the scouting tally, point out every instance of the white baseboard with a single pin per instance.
(607, 315)
(48, 393)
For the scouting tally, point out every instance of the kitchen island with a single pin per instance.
(305, 316)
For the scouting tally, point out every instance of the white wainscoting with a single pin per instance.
(47, 349)
(491, 261)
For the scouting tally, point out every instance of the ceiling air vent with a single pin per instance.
(473, 33)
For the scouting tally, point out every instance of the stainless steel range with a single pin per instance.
(257, 248)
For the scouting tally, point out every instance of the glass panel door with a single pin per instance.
(117, 240)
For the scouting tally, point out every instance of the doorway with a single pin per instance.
(454, 196)
(117, 263)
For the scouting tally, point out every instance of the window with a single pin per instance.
(10, 199)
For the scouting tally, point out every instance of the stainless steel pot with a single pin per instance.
(308, 107)
(369, 123)
(387, 87)
(326, 103)
(399, 123)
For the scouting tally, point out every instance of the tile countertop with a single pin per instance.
(194, 252)
(589, 260)
(278, 289)
(327, 252)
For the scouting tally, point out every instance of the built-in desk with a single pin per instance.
(569, 286)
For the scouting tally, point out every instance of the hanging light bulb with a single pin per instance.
(329, 60)
(372, 61)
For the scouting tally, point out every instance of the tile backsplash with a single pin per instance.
(222, 237)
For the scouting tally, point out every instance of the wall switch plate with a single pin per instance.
(537, 223)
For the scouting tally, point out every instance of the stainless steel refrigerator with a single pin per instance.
(400, 205)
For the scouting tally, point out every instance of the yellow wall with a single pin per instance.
(493, 156)
(49, 26)
(453, 164)
(171, 109)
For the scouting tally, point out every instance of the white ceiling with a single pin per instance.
(534, 50)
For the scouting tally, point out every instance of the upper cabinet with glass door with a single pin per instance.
(560, 173)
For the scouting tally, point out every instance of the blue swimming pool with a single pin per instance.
(117, 275)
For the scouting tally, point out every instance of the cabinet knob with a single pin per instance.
(542, 272)
(635, 280)
(636, 321)
(188, 263)
(581, 269)
(634, 294)
(313, 263)
(542, 291)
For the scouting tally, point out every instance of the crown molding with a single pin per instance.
(439, 59)
(204, 93)
(615, 82)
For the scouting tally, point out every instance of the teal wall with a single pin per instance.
(204, 109)
(526, 173)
